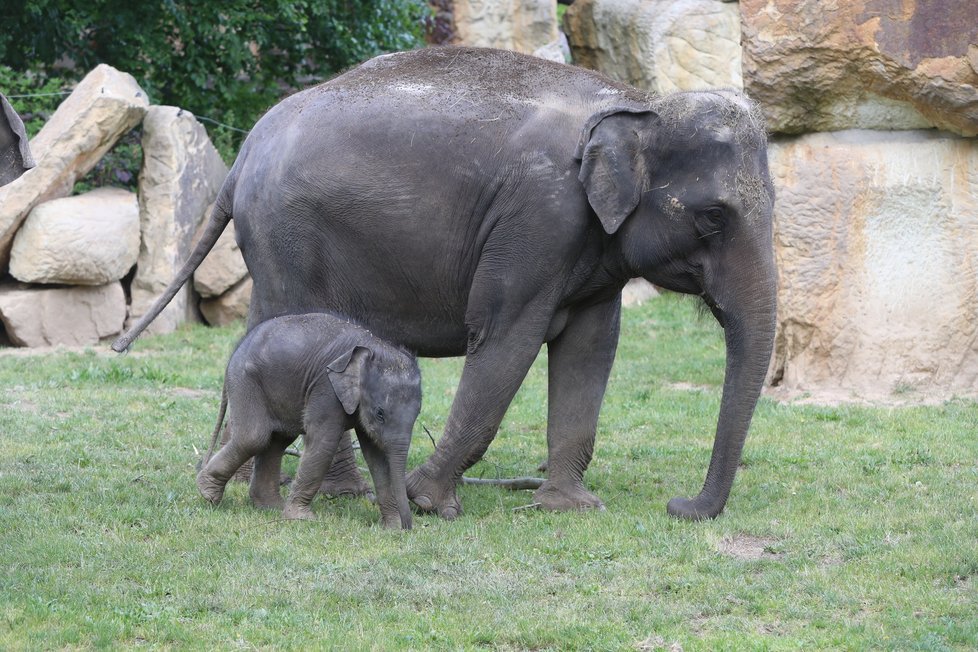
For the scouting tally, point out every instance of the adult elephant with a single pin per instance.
(481, 202)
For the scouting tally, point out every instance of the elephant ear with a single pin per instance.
(15, 154)
(346, 375)
(612, 167)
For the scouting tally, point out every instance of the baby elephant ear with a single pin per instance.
(346, 373)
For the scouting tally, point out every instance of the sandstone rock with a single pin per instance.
(230, 306)
(658, 45)
(637, 291)
(522, 25)
(181, 175)
(73, 316)
(105, 105)
(89, 239)
(870, 64)
(223, 266)
(876, 240)
(557, 51)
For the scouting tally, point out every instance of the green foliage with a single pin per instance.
(849, 527)
(227, 60)
(33, 93)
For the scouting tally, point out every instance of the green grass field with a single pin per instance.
(848, 527)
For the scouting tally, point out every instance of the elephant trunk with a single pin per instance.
(398, 470)
(749, 325)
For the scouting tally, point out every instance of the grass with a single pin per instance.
(848, 528)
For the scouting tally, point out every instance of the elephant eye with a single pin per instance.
(710, 221)
(380, 414)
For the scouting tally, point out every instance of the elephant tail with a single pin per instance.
(220, 217)
(220, 423)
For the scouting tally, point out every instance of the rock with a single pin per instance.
(223, 266)
(876, 239)
(89, 239)
(637, 291)
(557, 51)
(105, 105)
(73, 316)
(658, 45)
(179, 180)
(868, 64)
(521, 25)
(230, 306)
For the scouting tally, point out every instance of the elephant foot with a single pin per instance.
(271, 501)
(431, 495)
(295, 512)
(347, 483)
(695, 509)
(566, 497)
(393, 522)
(210, 489)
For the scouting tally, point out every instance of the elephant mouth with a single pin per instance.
(714, 307)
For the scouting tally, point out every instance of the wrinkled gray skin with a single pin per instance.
(15, 154)
(484, 203)
(319, 375)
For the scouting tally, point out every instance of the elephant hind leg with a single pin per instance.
(267, 473)
(245, 444)
(580, 361)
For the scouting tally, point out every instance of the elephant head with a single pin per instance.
(15, 154)
(683, 186)
(383, 389)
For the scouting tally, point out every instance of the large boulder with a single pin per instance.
(105, 105)
(658, 45)
(876, 238)
(89, 239)
(867, 64)
(179, 180)
(223, 266)
(521, 25)
(230, 307)
(73, 316)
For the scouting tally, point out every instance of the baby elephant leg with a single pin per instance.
(343, 477)
(266, 476)
(252, 433)
(321, 440)
(215, 475)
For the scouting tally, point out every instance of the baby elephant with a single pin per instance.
(319, 375)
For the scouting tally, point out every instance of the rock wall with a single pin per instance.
(873, 109)
(521, 25)
(71, 262)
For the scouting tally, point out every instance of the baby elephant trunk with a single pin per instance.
(397, 512)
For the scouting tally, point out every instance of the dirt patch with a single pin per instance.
(837, 397)
(749, 548)
(102, 351)
(690, 387)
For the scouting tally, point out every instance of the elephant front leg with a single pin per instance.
(321, 439)
(579, 365)
(493, 372)
(344, 478)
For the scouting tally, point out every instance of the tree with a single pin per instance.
(226, 60)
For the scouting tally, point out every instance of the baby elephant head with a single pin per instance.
(381, 387)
